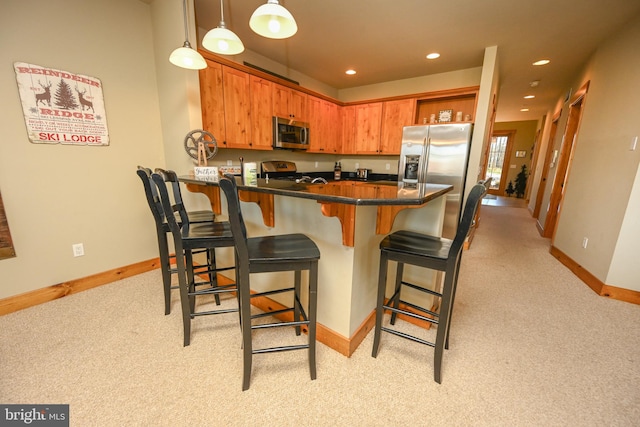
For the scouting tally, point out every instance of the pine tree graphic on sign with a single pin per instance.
(64, 97)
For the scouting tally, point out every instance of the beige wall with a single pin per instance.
(601, 195)
(56, 195)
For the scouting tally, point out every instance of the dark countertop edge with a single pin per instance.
(432, 191)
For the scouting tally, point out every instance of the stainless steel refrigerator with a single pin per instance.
(438, 154)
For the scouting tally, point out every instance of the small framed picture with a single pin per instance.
(522, 153)
(445, 116)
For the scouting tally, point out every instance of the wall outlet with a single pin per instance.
(316, 165)
(387, 166)
(357, 165)
(229, 163)
(585, 242)
(78, 249)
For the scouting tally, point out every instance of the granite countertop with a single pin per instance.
(372, 193)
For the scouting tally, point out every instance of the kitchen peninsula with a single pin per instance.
(366, 211)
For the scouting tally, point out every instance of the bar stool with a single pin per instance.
(436, 253)
(162, 229)
(188, 238)
(289, 252)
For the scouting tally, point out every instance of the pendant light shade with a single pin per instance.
(222, 40)
(186, 56)
(273, 21)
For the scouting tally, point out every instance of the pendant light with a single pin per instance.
(221, 40)
(273, 21)
(186, 56)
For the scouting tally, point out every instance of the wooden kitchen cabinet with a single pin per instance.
(289, 103)
(396, 115)
(348, 143)
(212, 101)
(237, 107)
(261, 118)
(367, 127)
(324, 126)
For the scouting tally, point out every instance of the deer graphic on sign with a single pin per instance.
(85, 103)
(45, 96)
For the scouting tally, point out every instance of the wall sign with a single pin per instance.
(61, 107)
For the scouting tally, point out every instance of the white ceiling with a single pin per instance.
(387, 40)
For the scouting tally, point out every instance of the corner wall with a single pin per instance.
(58, 195)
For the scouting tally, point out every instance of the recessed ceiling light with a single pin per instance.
(350, 72)
(542, 62)
(534, 83)
(529, 97)
(524, 109)
(433, 55)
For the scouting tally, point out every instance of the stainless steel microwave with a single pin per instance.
(290, 134)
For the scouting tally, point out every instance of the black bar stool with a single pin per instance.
(162, 229)
(189, 237)
(436, 253)
(289, 252)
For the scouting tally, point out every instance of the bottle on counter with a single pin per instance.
(337, 171)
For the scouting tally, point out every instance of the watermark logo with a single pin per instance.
(34, 415)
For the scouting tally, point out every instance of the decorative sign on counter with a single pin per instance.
(207, 173)
(61, 107)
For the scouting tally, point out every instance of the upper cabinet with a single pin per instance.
(237, 107)
(395, 116)
(367, 128)
(348, 118)
(289, 103)
(212, 101)
(261, 118)
(324, 126)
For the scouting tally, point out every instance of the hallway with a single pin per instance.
(491, 200)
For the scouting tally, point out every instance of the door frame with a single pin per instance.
(564, 162)
(511, 135)
(546, 165)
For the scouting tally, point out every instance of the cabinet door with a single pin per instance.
(316, 125)
(334, 126)
(396, 115)
(324, 126)
(298, 105)
(212, 100)
(368, 121)
(289, 103)
(348, 142)
(237, 103)
(261, 123)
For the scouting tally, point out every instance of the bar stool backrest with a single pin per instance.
(471, 206)
(171, 204)
(238, 228)
(151, 191)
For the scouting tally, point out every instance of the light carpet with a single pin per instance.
(530, 345)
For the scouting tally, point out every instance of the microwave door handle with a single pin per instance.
(303, 135)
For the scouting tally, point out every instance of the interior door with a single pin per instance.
(498, 160)
(546, 165)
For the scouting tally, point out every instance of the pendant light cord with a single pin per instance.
(222, 24)
(186, 23)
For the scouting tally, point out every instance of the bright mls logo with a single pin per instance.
(34, 415)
